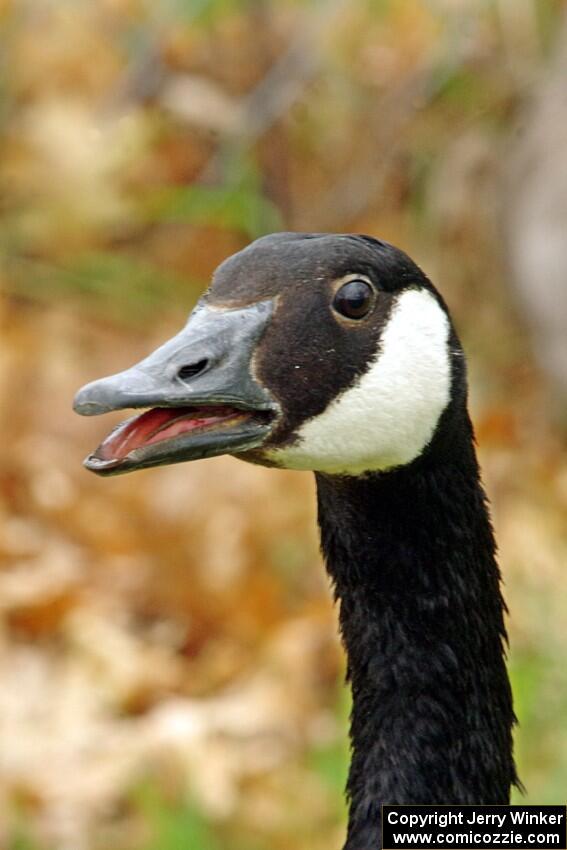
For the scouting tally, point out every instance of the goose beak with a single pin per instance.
(202, 395)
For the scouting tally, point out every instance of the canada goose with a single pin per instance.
(334, 353)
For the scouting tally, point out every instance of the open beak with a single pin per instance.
(202, 396)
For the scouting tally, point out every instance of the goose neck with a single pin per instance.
(411, 555)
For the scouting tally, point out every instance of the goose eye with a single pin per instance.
(354, 299)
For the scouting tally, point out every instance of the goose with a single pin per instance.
(334, 353)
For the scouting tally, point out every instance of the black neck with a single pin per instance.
(412, 557)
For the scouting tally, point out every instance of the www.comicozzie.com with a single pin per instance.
(474, 827)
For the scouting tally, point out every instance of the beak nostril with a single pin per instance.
(192, 369)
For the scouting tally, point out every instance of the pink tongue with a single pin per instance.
(151, 427)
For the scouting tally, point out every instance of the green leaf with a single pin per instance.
(174, 826)
(331, 762)
(234, 208)
(123, 287)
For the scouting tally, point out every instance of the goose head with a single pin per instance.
(331, 353)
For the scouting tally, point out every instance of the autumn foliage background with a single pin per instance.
(170, 672)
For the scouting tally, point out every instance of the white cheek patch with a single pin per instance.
(390, 414)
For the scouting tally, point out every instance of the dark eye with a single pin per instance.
(354, 299)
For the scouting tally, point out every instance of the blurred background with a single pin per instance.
(171, 676)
